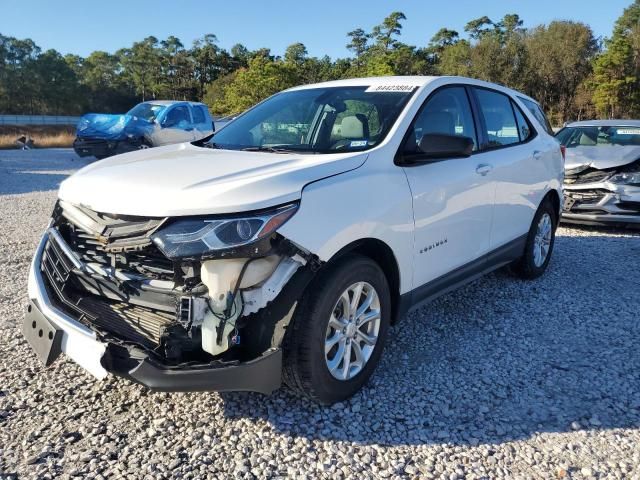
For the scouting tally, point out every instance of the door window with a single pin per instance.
(178, 117)
(499, 119)
(446, 112)
(198, 115)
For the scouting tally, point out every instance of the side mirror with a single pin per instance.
(440, 146)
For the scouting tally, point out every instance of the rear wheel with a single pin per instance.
(540, 242)
(338, 333)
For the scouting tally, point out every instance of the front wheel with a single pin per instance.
(540, 242)
(338, 333)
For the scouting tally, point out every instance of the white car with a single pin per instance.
(285, 246)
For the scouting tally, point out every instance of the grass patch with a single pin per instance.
(44, 136)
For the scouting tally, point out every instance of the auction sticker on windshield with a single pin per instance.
(628, 131)
(391, 88)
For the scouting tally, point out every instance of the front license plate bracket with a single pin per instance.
(568, 203)
(42, 335)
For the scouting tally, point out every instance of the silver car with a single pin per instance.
(602, 172)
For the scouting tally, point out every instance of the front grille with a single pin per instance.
(147, 261)
(586, 176)
(628, 205)
(134, 323)
(117, 241)
(587, 196)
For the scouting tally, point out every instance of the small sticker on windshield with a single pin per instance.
(358, 143)
(391, 87)
(628, 131)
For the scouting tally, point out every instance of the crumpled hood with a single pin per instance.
(183, 179)
(112, 127)
(601, 157)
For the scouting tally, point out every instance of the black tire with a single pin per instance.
(305, 369)
(144, 143)
(525, 267)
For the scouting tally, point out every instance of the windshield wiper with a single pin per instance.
(275, 150)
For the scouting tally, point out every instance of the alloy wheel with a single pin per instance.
(542, 240)
(353, 330)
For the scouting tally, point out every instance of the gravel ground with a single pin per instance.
(501, 379)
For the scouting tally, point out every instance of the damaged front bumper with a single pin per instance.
(101, 148)
(52, 330)
(602, 203)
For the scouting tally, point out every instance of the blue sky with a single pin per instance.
(73, 26)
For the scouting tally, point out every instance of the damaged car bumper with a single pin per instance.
(114, 321)
(602, 203)
(100, 148)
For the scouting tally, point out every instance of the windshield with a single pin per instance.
(317, 120)
(148, 111)
(572, 137)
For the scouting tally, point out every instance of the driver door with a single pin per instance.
(177, 126)
(453, 198)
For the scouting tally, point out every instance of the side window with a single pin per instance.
(524, 129)
(537, 112)
(500, 122)
(198, 114)
(447, 112)
(178, 117)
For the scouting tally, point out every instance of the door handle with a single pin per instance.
(537, 154)
(483, 169)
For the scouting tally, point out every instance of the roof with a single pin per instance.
(415, 81)
(170, 102)
(605, 123)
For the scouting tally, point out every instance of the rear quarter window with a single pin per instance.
(537, 112)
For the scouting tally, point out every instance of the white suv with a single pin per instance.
(285, 245)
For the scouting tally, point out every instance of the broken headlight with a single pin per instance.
(626, 178)
(192, 237)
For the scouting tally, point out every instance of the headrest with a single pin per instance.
(586, 140)
(352, 127)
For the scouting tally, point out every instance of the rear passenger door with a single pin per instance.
(517, 156)
(202, 122)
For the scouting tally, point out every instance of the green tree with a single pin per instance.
(560, 57)
(240, 54)
(479, 27)
(616, 80)
(390, 27)
(262, 78)
(142, 64)
(455, 59)
(358, 45)
(296, 54)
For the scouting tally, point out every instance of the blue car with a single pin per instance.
(148, 124)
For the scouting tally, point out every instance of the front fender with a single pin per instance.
(369, 202)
